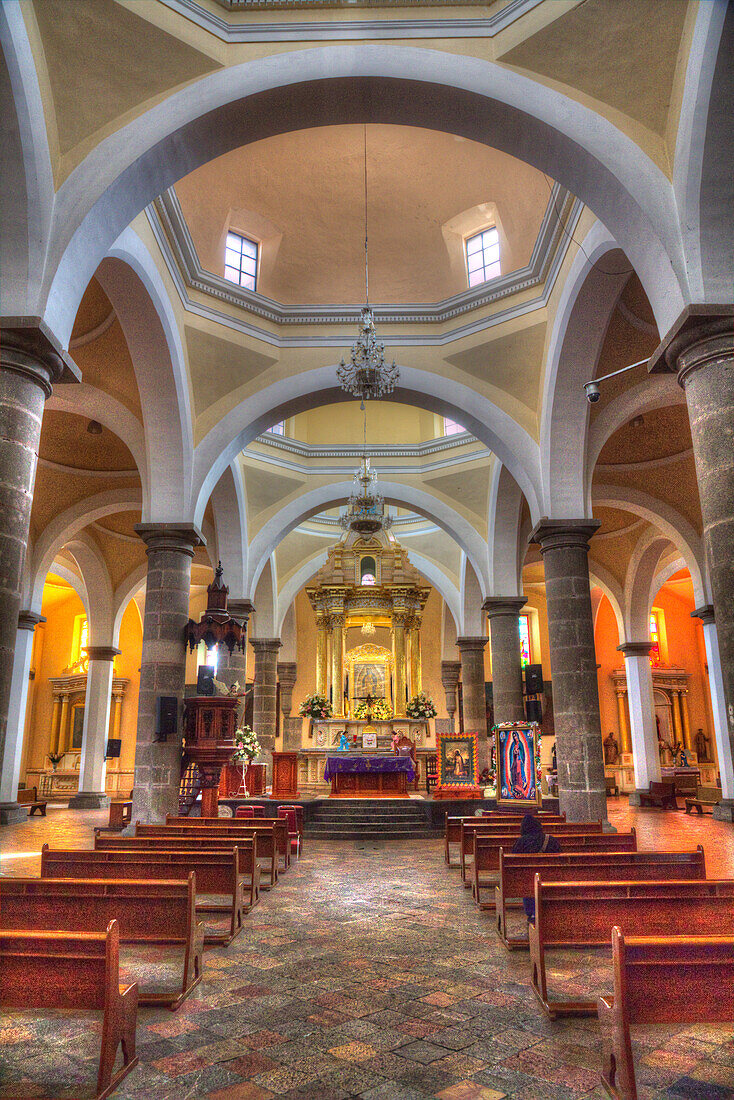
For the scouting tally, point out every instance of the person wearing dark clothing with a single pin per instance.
(532, 839)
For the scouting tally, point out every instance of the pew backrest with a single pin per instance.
(26, 795)
(485, 847)
(59, 969)
(217, 871)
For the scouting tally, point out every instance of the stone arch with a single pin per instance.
(96, 577)
(604, 580)
(126, 590)
(503, 537)
(265, 600)
(327, 496)
(380, 83)
(472, 598)
(230, 521)
(639, 583)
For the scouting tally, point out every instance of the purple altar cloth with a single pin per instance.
(364, 764)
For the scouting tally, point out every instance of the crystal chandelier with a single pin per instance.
(368, 627)
(367, 374)
(366, 511)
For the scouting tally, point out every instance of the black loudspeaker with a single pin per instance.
(205, 680)
(534, 710)
(533, 679)
(114, 745)
(166, 717)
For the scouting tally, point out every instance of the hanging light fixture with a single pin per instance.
(368, 627)
(366, 511)
(367, 374)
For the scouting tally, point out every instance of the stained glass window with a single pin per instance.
(483, 256)
(655, 639)
(525, 654)
(278, 429)
(240, 261)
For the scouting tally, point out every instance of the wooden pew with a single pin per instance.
(705, 796)
(660, 794)
(518, 815)
(517, 874)
(480, 826)
(28, 796)
(217, 873)
(232, 826)
(75, 971)
(452, 827)
(582, 914)
(267, 842)
(670, 979)
(147, 913)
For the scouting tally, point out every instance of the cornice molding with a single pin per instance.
(415, 451)
(177, 248)
(341, 29)
(345, 471)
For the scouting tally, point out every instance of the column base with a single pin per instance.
(89, 800)
(635, 797)
(723, 811)
(11, 813)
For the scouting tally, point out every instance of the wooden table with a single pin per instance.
(362, 782)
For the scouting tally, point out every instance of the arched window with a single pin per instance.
(368, 570)
(450, 427)
(526, 657)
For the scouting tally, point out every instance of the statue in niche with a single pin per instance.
(702, 747)
(611, 749)
(666, 753)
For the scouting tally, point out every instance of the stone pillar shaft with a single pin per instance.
(287, 676)
(30, 362)
(564, 545)
(507, 690)
(450, 671)
(91, 793)
(645, 754)
(10, 812)
(474, 695)
(264, 714)
(170, 549)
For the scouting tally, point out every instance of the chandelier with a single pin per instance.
(368, 627)
(367, 374)
(366, 511)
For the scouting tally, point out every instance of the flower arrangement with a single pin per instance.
(246, 746)
(379, 709)
(315, 706)
(421, 706)
(54, 758)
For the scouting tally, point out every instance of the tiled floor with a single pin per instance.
(368, 972)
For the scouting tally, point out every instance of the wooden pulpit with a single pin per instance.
(209, 723)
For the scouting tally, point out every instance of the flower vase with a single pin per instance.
(245, 764)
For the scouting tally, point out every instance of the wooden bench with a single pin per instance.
(217, 873)
(670, 979)
(481, 826)
(267, 842)
(452, 827)
(233, 824)
(705, 796)
(28, 796)
(49, 970)
(121, 814)
(147, 913)
(661, 795)
(582, 914)
(517, 874)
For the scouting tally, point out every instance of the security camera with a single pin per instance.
(592, 392)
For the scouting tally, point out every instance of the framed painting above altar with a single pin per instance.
(516, 756)
(368, 669)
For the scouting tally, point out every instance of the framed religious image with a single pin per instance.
(458, 759)
(369, 739)
(77, 726)
(518, 772)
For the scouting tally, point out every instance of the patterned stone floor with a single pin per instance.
(368, 972)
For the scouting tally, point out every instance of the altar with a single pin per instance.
(369, 776)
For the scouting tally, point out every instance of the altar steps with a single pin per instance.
(369, 819)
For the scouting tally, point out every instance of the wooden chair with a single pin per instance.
(705, 796)
(74, 971)
(405, 747)
(148, 913)
(288, 813)
(247, 812)
(431, 772)
(28, 796)
(667, 979)
(582, 914)
(661, 795)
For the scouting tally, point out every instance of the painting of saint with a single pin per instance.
(516, 765)
(457, 760)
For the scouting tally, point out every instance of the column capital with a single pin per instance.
(265, 645)
(102, 652)
(635, 649)
(705, 613)
(702, 334)
(28, 347)
(450, 672)
(177, 536)
(240, 609)
(503, 605)
(468, 644)
(287, 672)
(29, 620)
(561, 534)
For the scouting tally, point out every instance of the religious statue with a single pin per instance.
(611, 749)
(343, 745)
(702, 747)
(554, 758)
(666, 753)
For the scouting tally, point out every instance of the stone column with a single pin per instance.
(725, 810)
(645, 754)
(10, 811)
(287, 676)
(264, 716)
(474, 695)
(322, 654)
(701, 351)
(232, 667)
(31, 361)
(91, 794)
(564, 545)
(170, 549)
(507, 692)
(450, 680)
(625, 745)
(398, 648)
(337, 664)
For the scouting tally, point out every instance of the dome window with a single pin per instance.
(240, 261)
(483, 256)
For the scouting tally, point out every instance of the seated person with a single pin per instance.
(343, 745)
(532, 839)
